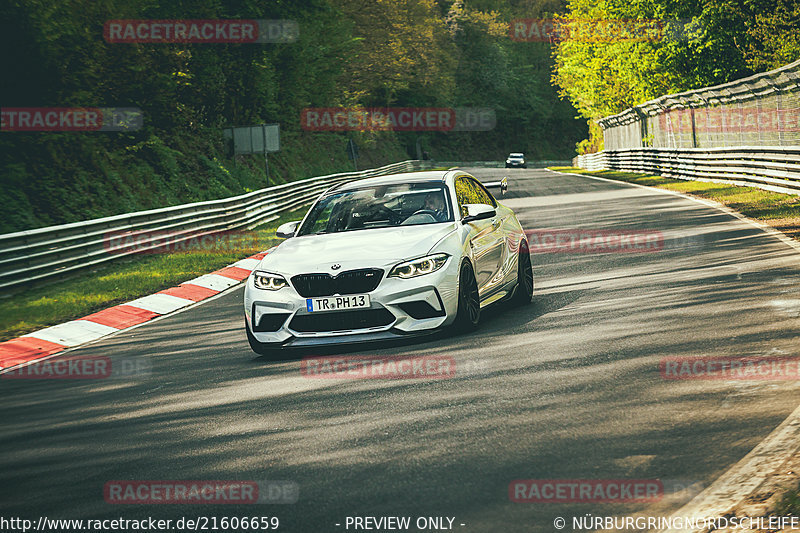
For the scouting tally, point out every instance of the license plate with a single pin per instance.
(337, 303)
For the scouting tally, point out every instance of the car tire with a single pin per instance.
(523, 293)
(468, 315)
(259, 347)
(507, 165)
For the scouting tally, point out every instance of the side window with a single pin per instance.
(482, 196)
(469, 191)
(321, 222)
(462, 194)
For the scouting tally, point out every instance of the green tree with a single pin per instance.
(704, 43)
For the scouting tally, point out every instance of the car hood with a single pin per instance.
(379, 248)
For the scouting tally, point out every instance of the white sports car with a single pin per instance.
(387, 257)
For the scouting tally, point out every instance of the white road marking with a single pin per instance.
(73, 333)
(787, 307)
(747, 475)
(214, 282)
(71, 349)
(247, 264)
(160, 303)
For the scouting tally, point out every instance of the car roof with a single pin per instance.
(433, 176)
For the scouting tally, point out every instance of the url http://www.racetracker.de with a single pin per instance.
(44, 524)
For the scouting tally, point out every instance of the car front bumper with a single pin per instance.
(398, 307)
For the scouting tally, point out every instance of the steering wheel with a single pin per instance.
(394, 218)
(430, 212)
(422, 212)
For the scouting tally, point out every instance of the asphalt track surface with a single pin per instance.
(566, 388)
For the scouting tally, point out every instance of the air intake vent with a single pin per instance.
(342, 320)
(348, 282)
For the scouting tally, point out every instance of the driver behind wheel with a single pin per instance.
(435, 203)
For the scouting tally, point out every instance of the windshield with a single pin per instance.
(515, 155)
(401, 204)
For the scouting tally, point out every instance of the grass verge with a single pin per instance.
(789, 504)
(123, 281)
(781, 211)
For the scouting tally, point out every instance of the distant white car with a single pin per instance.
(516, 159)
(388, 257)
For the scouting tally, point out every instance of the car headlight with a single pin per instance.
(419, 267)
(270, 282)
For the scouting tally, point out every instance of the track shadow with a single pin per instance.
(499, 317)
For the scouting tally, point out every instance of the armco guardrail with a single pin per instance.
(29, 256)
(773, 168)
(499, 163)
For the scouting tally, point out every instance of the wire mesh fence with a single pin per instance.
(761, 110)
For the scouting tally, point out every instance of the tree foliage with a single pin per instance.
(427, 53)
(774, 36)
(704, 42)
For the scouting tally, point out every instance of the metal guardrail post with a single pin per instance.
(771, 168)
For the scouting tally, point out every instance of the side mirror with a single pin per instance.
(287, 230)
(478, 212)
(501, 185)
